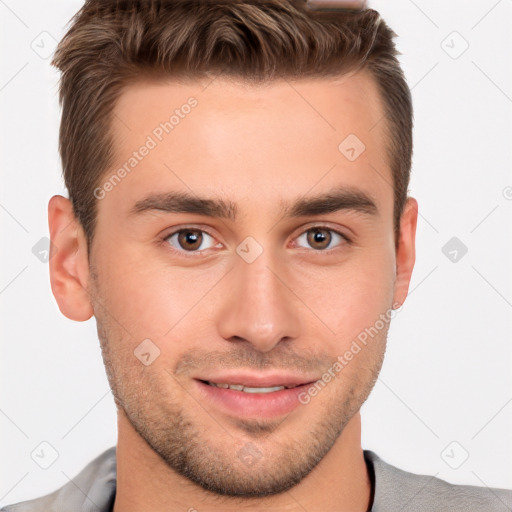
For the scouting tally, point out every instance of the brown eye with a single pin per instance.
(320, 238)
(190, 240)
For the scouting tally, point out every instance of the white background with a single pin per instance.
(446, 380)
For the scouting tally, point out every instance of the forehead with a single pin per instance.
(223, 137)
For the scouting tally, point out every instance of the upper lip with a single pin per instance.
(260, 380)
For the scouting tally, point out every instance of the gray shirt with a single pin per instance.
(94, 488)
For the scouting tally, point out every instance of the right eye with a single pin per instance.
(190, 240)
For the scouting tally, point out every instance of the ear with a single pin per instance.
(69, 266)
(406, 250)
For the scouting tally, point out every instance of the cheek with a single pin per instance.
(150, 297)
(349, 298)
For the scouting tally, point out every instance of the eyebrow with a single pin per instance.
(338, 199)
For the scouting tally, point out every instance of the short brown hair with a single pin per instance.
(112, 43)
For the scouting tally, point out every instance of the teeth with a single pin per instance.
(263, 390)
(239, 387)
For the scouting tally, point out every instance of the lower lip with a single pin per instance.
(262, 405)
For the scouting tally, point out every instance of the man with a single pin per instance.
(238, 216)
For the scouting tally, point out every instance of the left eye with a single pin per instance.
(320, 238)
(191, 240)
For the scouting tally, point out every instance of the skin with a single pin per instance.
(294, 307)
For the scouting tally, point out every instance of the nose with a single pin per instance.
(258, 308)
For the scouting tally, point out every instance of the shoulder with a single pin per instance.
(92, 489)
(396, 489)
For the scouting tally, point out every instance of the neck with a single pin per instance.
(340, 481)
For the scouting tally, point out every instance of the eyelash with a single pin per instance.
(193, 254)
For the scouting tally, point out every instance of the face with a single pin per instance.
(258, 285)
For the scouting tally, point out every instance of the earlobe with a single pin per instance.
(69, 266)
(406, 251)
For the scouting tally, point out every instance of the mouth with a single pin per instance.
(248, 400)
